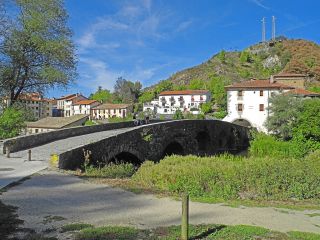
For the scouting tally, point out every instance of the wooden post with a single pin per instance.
(8, 151)
(185, 217)
(29, 155)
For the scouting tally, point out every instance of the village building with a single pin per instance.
(185, 100)
(109, 110)
(249, 101)
(64, 104)
(38, 106)
(83, 107)
(55, 123)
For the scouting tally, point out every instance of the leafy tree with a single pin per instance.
(245, 57)
(196, 84)
(283, 117)
(11, 122)
(102, 95)
(178, 114)
(219, 94)
(146, 96)
(126, 91)
(222, 56)
(308, 120)
(37, 53)
(206, 107)
(166, 85)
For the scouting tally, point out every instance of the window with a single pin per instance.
(261, 107)
(261, 93)
(240, 94)
(240, 107)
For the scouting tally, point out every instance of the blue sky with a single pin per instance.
(149, 40)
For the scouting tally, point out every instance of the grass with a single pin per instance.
(212, 231)
(75, 227)
(314, 215)
(226, 177)
(122, 170)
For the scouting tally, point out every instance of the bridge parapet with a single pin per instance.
(154, 141)
(33, 140)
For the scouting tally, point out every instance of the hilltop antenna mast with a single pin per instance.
(263, 29)
(273, 28)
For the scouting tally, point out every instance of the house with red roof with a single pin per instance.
(184, 100)
(83, 106)
(248, 102)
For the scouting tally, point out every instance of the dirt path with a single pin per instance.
(50, 200)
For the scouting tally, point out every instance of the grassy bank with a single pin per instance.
(217, 232)
(229, 177)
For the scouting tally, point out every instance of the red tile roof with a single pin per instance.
(67, 96)
(183, 92)
(85, 102)
(290, 75)
(112, 106)
(258, 84)
(302, 92)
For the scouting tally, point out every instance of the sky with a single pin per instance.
(149, 40)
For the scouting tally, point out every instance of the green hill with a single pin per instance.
(257, 61)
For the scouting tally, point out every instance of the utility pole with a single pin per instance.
(273, 28)
(263, 29)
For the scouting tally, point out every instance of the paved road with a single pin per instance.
(76, 200)
(17, 167)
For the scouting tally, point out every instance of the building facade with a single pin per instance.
(185, 100)
(64, 104)
(109, 110)
(249, 101)
(83, 107)
(38, 106)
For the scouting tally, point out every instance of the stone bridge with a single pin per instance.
(156, 140)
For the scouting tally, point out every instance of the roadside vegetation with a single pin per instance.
(217, 232)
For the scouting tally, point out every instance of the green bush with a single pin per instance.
(11, 122)
(229, 177)
(267, 145)
(122, 170)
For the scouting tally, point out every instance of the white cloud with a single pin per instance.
(96, 73)
(184, 25)
(260, 3)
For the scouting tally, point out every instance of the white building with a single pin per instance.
(151, 107)
(184, 100)
(64, 104)
(83, 107)
(248, 101)
(109, 110)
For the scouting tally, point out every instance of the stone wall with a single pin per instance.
(154, 141)
(25, 142)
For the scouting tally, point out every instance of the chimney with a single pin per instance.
(272, 79)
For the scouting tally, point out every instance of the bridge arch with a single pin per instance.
(173, 147)
(242, 122)
(126, 157)
(203, 140)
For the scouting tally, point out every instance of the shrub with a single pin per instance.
(11, 122)
(266, 145)
(122, 170)
(232, 177)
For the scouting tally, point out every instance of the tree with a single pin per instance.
(102, 95)
(222, 56)
(245, 57)
(219, 94)
(126, 91)
(178, 115)
(165, 85)
(206, 107)
(308, 120)
(38, 52)
(11, 122)
(146, 96)
(196, 84)
(284, 113)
